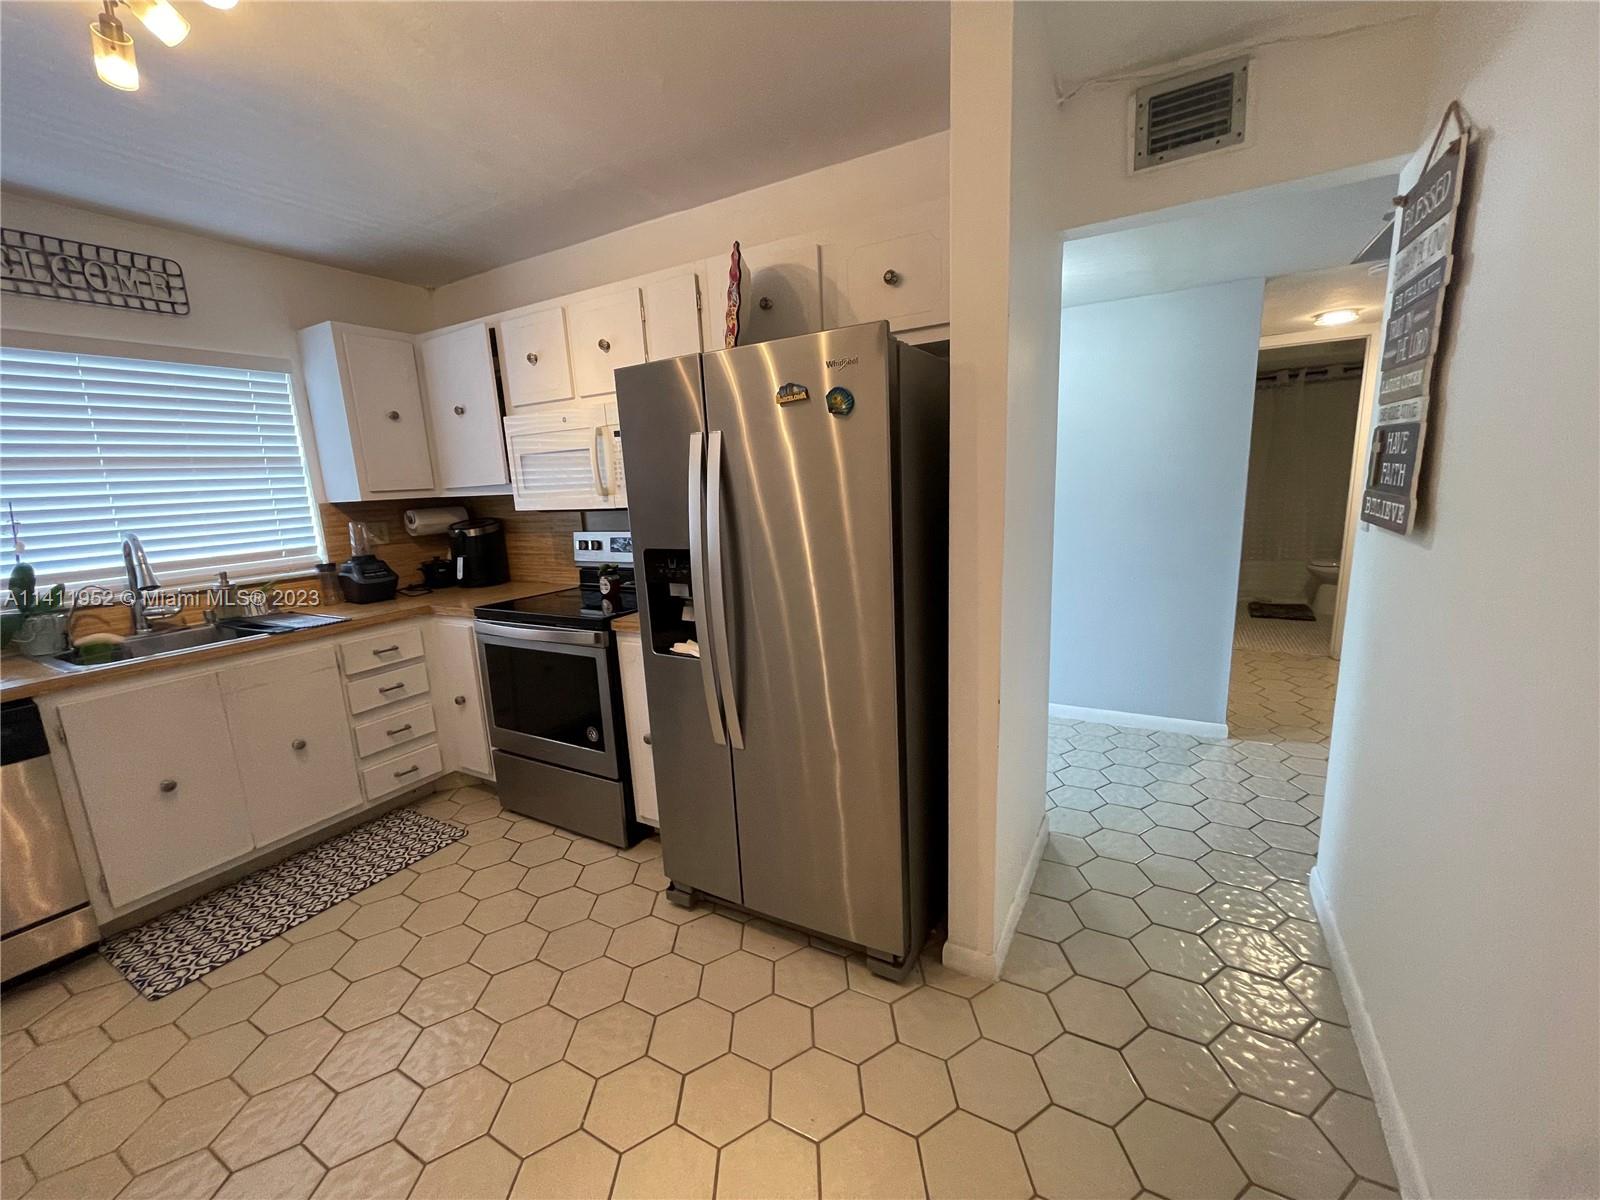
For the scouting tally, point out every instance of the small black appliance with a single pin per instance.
(438, 573)
(364, 578)
(478, 549)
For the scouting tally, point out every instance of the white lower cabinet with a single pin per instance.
(636, 715)
(458, 697)
(162, 796)
(291, 741)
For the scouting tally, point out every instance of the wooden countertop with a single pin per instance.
(21, 677)
(627, 624)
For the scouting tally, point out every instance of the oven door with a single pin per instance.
(549, 695)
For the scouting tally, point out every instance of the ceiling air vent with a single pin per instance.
(1190, 114)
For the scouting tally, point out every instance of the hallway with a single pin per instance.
(1171, 922)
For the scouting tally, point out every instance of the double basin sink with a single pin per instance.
(166, 643)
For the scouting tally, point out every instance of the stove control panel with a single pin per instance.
(602, 548)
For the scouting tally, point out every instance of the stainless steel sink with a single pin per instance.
(159, 644)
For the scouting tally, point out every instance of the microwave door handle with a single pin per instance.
(719, 604)
(697, 582)
(600, 488)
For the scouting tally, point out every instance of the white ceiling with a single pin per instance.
(1293, 300)
(1277, 231)
(427, 141)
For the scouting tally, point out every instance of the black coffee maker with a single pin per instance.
(478, 551)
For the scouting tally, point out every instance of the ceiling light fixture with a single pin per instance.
(113, 48)
(161, 19)
(1337, 316)
(113, 51)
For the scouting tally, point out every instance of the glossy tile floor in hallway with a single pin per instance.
(525, 1014)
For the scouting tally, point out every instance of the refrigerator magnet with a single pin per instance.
(840, 401)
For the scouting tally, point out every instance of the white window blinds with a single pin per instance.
(202, 462)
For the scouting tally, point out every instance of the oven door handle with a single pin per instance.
(535, 634)
(697, 582)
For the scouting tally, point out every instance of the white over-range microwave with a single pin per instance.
(567, 459)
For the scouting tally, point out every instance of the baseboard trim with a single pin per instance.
(1396, 1132)
(1107, 716)
(982, 964)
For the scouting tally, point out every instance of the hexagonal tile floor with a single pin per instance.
(524, 1014)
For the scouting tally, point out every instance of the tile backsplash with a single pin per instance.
(538, 544)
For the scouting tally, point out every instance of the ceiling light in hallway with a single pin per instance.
(1337, 316)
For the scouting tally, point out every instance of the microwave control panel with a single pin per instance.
(602, 548)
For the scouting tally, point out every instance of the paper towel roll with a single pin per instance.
(420, 522)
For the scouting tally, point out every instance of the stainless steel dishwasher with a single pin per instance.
(44, 906)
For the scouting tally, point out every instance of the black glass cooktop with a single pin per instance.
(570, 608)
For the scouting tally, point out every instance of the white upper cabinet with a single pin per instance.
(781, 296)
(899, 279)
(533, 358)
(384, 398)
(672, 316)
(463, 407)
(607, 332)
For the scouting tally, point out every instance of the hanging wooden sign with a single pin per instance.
(1420, 271)
(36, 264)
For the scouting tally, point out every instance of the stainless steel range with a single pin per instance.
(553, 695)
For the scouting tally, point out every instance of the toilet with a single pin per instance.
(1324, 585)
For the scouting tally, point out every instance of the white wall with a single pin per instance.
(900, 177)
(1334, 90)
(1459, 863)
(243, 301)
(1005, 264)
(1157, 394)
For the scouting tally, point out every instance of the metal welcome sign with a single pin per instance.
(1420, 271)
(36, 264)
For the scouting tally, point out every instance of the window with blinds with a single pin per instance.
(202, 462)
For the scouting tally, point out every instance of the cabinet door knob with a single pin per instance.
(764, 304)
(393, 416)
(647, 739)
(533, 359)
(169, 785)
(460, 700)
(298, 744)
(460, 412)
(604, 345)
(892, 277)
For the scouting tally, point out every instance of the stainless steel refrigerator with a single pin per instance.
(789, 507)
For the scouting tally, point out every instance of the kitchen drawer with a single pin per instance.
(416, 765)
(387, 687)
(394, 729)
(383, 649)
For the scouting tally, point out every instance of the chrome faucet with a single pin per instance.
(141, 579)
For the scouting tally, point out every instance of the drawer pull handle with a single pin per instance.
(394, 687)
(533, 359)
(460, 700)
(169, 785)
(387, 650)
(298, 744)
(605, 346)
(459, 411)
(406, 728)
(892, 277)
(411, 770)
(393, 416)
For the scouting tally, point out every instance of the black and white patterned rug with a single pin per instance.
(178, 947)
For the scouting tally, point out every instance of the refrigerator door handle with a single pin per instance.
(697, 581)
(717, 595)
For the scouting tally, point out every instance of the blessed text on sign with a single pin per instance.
(36, 264)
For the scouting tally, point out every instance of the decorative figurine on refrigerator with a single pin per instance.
(730, 335)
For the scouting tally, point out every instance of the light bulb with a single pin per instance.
(1337, 316)
(161, 19)
(222, 4)
(113, 54)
